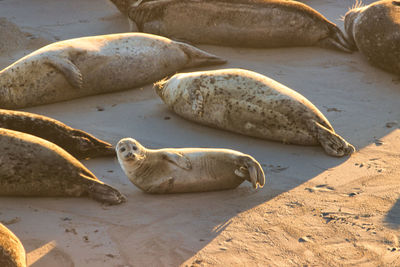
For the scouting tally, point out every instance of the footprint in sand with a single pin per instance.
(320, 188)
(373, 163)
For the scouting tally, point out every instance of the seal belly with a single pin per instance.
(210, 171)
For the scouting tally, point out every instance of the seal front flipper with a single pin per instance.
(104, 193)
(332, 143)
(178, 159)
(70, 71)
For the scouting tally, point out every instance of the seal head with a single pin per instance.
(374, 30)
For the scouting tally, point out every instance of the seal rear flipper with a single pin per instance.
(197, 57)
(332, 143)
(105, 193)
(336, 40)
(255, 171)
(178, 159)
(70, 71)
(90, 146)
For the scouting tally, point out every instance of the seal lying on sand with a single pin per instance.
(375, 31)
(182, 170)
(249, 103)
(248, 23)
(12, 252)
(33, 167)
(76, 142)
(93, 65)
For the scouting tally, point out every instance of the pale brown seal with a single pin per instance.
(93, 65)
(375, 31)
(249, 103)
(33, 167)
(249, 23)
(12, 252)
(76, 142)
(182, 170)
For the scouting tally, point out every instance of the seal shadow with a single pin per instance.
(392, 218)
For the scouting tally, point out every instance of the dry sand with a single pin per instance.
(315, 209)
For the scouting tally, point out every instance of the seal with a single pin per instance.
(248, 23)
(12, 252)
(33, 167)
(374, 30)
(93, 65)
(249, 103)
(184, 170)
(76, 142)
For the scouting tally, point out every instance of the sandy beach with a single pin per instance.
(315, 210)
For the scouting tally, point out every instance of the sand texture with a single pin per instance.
(315, 210)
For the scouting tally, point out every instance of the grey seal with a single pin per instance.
(375, 31)
(33, 167)
(248, 23)
(183, 170)
(92, 65)
(12, 252)
(252, 104)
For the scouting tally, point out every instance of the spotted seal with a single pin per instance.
(248, 23)
(183, 170)
(375, 31)
(93, 65)
(33, 167)
(76, 142)
(12, 252)
(249, 103)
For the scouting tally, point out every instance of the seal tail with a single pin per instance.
(336, 40)
(256, 173)
(104, 193)
(332, 143)
(197, 57)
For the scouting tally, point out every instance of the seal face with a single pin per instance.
(12, 252)
(76, 142)
(249, 103)
(184, 170)
(375, 31)
(93, 65)
(249, 23)
(33, 167)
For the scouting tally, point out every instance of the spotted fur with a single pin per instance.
(252, 104)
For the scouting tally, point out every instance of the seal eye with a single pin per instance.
(134, 148)
(122, 149)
